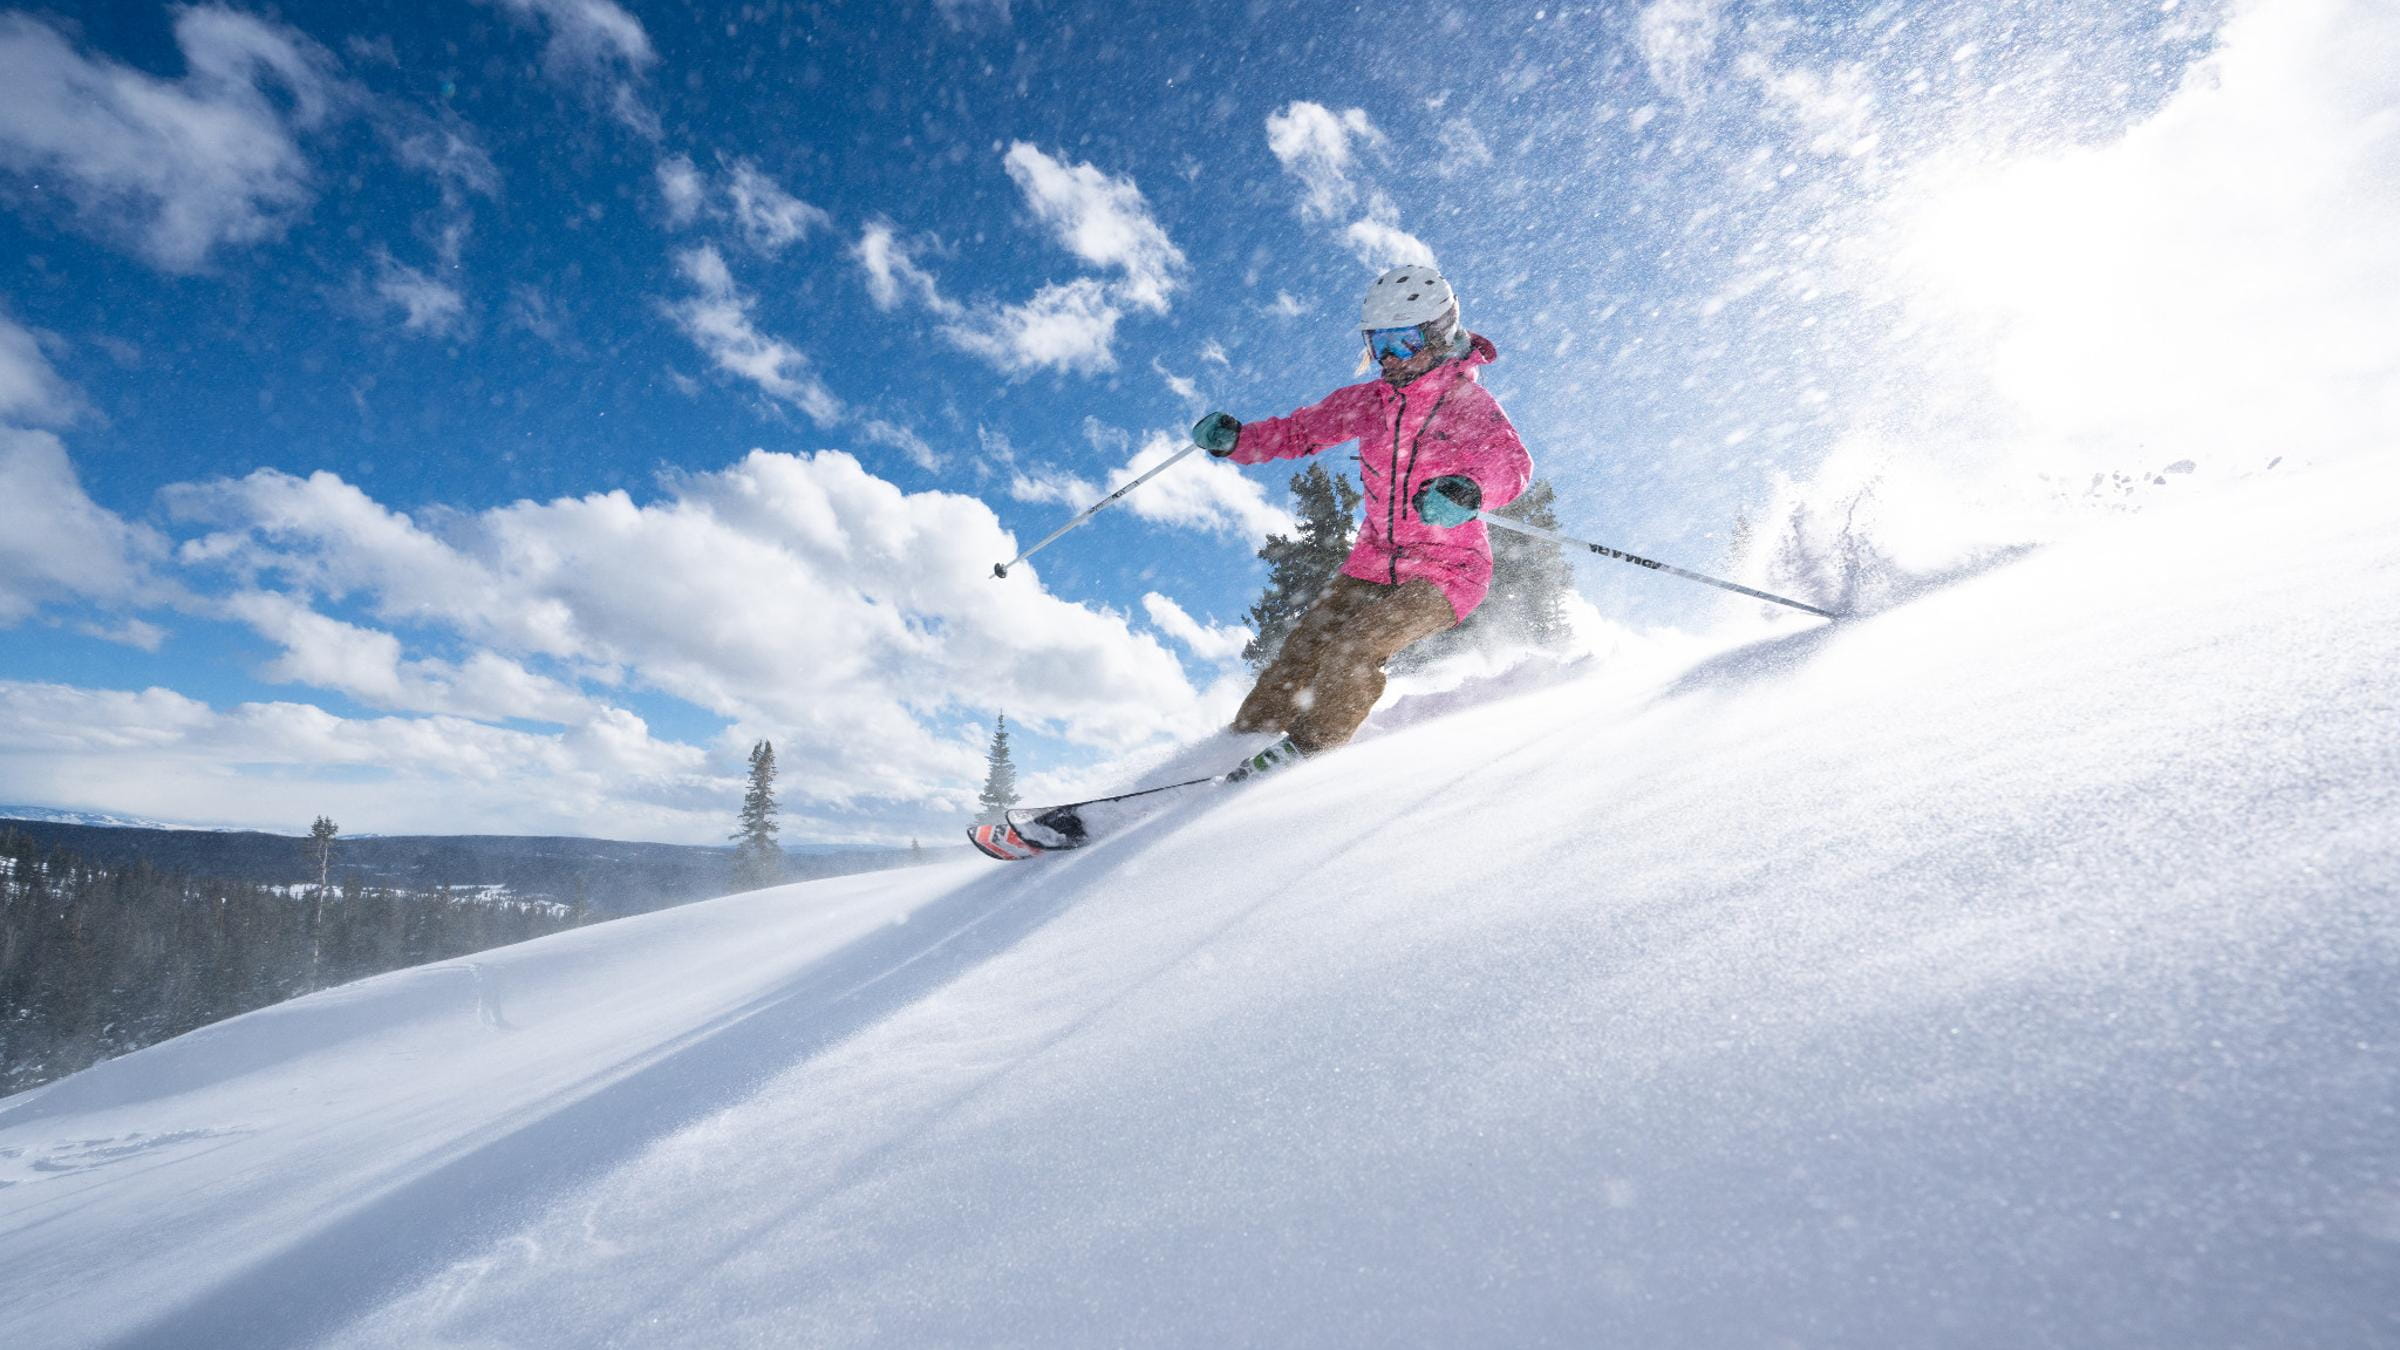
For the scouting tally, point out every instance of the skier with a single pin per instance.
(1434, 448)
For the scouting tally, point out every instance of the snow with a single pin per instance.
(479, 893)
(2016, 966)
(52, 815)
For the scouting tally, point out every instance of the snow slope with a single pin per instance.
(2017, 967)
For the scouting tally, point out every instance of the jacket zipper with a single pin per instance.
(1391, 504)
(1392, 508)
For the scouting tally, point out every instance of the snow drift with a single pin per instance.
(2014, 967)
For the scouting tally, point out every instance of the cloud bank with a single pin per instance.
(172, 169)
(797, 597)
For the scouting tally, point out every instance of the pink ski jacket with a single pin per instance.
(1443, 422)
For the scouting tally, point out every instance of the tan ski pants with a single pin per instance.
(1330, 671)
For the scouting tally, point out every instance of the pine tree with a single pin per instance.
(1299, 566)
(97, 959)
(1531, 577)
(1000, 781)
(320, 851)
(757, 858)
(1527, 604)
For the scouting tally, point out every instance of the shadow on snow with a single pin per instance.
(331, 1275)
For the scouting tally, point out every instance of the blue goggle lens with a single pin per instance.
(1401, 342)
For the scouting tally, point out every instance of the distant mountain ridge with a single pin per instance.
(614, 877)
(54, 816)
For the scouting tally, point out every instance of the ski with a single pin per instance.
(1001, 842)
(1030, 831)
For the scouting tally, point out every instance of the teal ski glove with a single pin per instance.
(1217, 433)
(1448, 501)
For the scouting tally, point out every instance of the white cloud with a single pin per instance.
(448, 152)
(1203, 493)
(799, 595)
(892, 273)
(1833, 110)
(1181, 386)
(56, 543)
(682, 187)
(326, 653)
(1101, 219)
(1198, 494)
(1381, 244)
(596, 45)
(717, 319)
(31, 392)
(427, 306)
(1312, 142)
(770, 217)
(1067, 325)
(1216, 643)
(532, 309)
(994, 444)
(1314, 145)
(278, 765)
(1462, 148)
(877, 431)
(1214, 351)
(1070, 325)
(1676, 39)
(1288, 306)
(1051, 485)
(49, 717)
(444, 149)
(173, 168)
(137, 633)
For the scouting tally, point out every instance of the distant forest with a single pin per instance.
(98, 959)
(612, 876)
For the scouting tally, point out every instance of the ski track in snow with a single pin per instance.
(2018, 966)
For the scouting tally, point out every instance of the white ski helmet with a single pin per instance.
(1407, 295)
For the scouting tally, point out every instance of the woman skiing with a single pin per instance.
(1434, 448)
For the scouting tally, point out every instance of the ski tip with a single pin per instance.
(1001, 842)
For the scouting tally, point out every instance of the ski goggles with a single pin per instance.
(1400, 342)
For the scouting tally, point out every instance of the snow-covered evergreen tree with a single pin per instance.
(1298, 567)
(1531, 580)
(320, 852)
(1000, 781)
(757, 857)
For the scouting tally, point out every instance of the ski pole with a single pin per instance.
(1000, 570)
(1622, 556)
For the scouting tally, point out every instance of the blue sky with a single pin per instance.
(494, 415)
